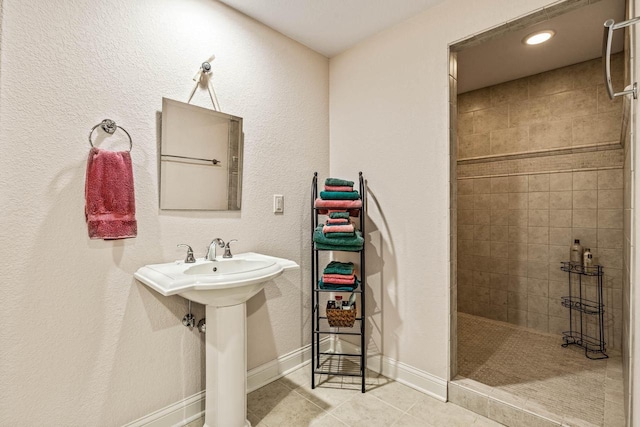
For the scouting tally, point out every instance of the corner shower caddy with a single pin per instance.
(336, 363)
(594, 347)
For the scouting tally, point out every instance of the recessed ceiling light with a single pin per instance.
(538, 37)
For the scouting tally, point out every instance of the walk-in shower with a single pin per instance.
(538, 161)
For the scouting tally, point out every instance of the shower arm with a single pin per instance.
(609, 26)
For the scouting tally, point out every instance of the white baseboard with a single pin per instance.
(192, 408)
(176, 414)
(401, 372)
(283, 365)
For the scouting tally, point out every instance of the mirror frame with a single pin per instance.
(235, 162)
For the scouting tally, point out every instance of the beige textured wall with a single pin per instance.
(81, 342)
(519, 215)
(389, 105)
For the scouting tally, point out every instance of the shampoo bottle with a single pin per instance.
(587, 258)
(338, 302)
(576, 253)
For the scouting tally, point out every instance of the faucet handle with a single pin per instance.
(227, 249)
(190, 258)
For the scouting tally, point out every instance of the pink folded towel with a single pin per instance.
(337, 188)
(338, 221)
(352, 206)
(338, 229)
(339, 281)
(110, 205)
(325, 277)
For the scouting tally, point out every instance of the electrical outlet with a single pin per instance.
(278, 203)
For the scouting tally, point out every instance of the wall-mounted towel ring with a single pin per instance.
(109, 126)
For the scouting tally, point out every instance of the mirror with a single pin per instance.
(200, 158)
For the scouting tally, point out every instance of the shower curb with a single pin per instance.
(503, 407)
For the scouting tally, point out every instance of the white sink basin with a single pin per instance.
(224, 285)
(220, 283)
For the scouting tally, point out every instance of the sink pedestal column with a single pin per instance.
(226, 367)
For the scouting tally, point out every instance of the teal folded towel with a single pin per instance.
(350, 244)
(337, 182)
(344, 215)
(337, 267)
(339, 235)
(339, 288)
(344, 248)
(339, 195)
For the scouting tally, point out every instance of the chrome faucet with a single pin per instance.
(215, 242)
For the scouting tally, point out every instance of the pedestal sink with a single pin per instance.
(224, 286)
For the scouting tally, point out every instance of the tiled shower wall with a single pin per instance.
(540, 178)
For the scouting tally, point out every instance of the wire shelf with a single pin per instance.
(572, 267)
(590, 344)
(339, 364)
(581, 304)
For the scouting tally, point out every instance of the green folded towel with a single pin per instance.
(337, 267)
(339, 235)
(344, 215)
(339, 195)
(351, 244)
(344, 248)
(339, 288)
(338, 182)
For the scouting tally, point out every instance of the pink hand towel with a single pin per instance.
(338, 204)
(339, 281)
(338, 229)
(352, 206)
(337, 188)
(338, 276)
(110, 205)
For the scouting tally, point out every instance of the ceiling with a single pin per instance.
(330, 26)
(333, 26)
(578, 38)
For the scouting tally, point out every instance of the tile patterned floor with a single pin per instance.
(517, 365)
(338, 402)
(536, 370)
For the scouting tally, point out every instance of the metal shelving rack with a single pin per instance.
(331, 363)
(594, 347)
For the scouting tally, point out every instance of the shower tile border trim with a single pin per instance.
(502, 175)
(603, 146)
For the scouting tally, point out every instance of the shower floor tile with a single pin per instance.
(533, 369)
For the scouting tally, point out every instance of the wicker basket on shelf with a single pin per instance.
(339, 318)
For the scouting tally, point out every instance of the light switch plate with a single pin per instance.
(278, 203)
